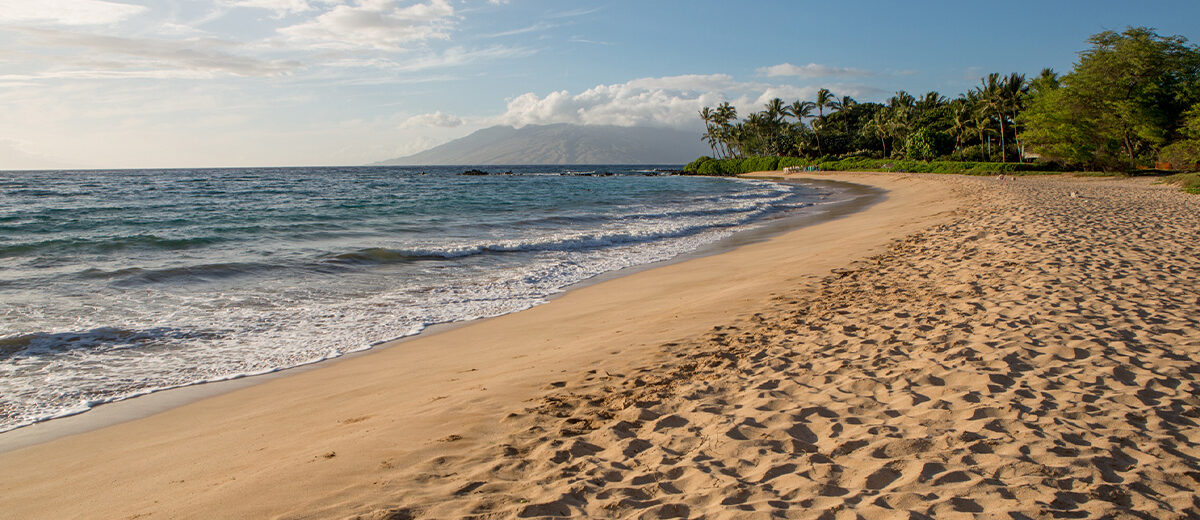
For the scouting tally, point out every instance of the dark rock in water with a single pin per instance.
(509, 172)
(474, 172)
(668, 172)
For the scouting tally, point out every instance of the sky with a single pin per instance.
(229, 83)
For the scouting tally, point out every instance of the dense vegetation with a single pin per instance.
(1189, 182)
(736, 165)
(1133, 100)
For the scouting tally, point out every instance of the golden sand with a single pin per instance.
(968, 347)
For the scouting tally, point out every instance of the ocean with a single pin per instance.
(114, 284)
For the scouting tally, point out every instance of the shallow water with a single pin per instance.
(118, 283)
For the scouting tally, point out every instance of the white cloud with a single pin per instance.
(812, 70)
(667, 101)
(434, 119)
(112, 56)
(580, 39)
(66, 12)
(689, 82)
(574, 13)
(379, 24)
(540, 26)
(458, 56)
(280, 7)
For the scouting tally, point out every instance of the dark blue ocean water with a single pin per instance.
(118, 283)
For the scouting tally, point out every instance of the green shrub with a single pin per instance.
(926, 144)
(1183, 154)
(694, 166)
(1189, 182)
(736, 166)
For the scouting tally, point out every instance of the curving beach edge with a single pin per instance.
(964, 345)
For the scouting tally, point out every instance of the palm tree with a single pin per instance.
(902, 103)
(723, 117)
(846, 103)
(1046, 80)
(930, 100)
(980, 119)
(800, 110)
(825, 100)
(992, 97)
(710, 130)
(878, 126)
(900, 111)
(772, 126)
(960, 120)
(775, 109)
(1015, 90)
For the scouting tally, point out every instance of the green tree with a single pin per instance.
(724, 117)
(844, 104)
(1015, 91)
(801, 110)
(1122, 102)
(877, 126)
(825, 99)
(710, 129)
(960, 121)
(992, 100)
(1184, 154)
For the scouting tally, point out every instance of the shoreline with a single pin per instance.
(144, 405)
(261, 447)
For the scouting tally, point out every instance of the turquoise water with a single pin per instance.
(118, 283)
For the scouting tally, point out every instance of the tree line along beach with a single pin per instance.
(958, 329)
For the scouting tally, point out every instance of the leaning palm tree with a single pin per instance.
(960, 120)
(710, 129)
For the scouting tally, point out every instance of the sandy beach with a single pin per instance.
(1021, 348)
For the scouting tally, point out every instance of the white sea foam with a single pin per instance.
(234, 331)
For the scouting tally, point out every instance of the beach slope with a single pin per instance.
(965, 347)
(337, 439)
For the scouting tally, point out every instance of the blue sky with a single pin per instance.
(175, 83)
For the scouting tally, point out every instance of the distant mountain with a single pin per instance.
(563, 144)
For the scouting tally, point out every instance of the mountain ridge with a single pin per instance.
(562, 143)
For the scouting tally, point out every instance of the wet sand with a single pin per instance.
(967, 347)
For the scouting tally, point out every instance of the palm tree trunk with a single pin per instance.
(1017, 137)
(1003, 154)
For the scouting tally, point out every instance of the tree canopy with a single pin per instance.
(1123, 102)
(1131, 100)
